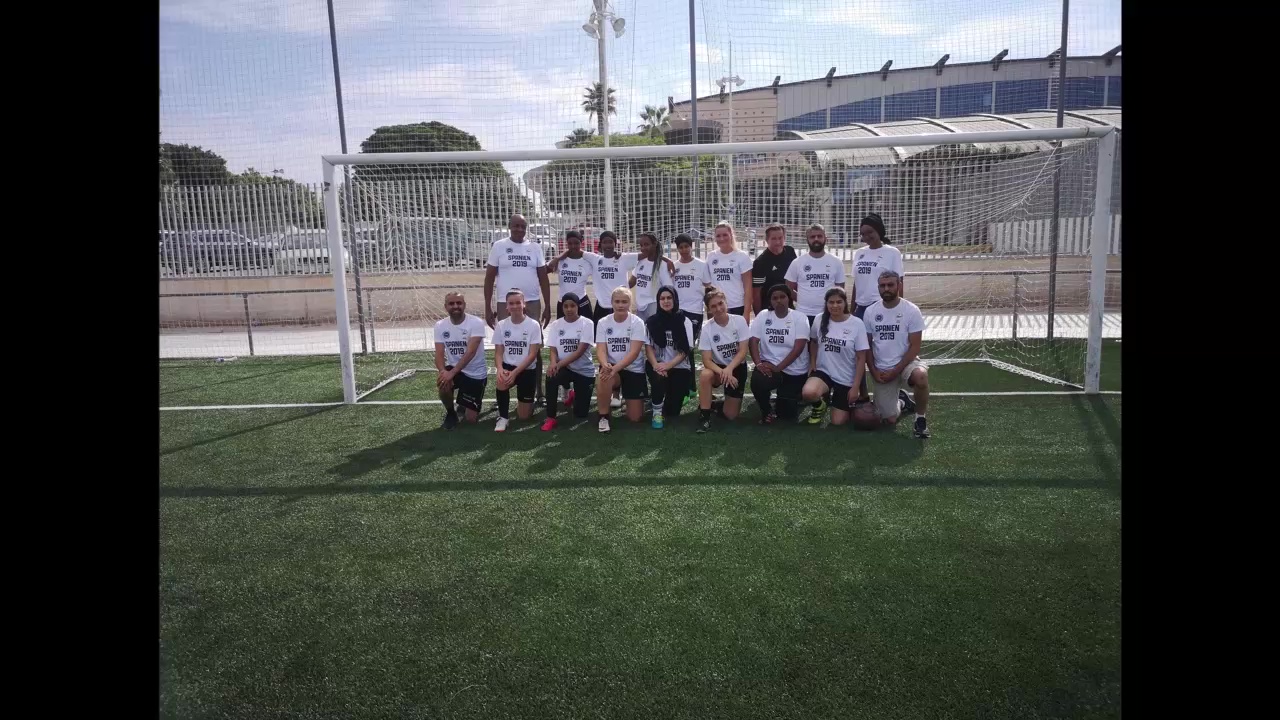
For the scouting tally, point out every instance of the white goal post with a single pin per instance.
(1099, 226)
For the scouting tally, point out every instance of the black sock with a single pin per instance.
(450, 408)
(704, 414)
(504, 403)
(553, 402)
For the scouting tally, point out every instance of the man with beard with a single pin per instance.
(770, 267)
(516, 263)
(894, 330)
(460, 362)
(810, 278)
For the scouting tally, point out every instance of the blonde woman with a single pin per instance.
(729, 270)
(620, 341)
(724, 343)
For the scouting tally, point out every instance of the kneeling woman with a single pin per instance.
(838, 348)
(517, 342)
(780, 349)
(724, 353)
(570, 339)
(620, 340)
(670, 355)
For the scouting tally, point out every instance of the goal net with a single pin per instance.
(971, 211)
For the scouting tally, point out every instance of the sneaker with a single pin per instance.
(450, 422)
(615, 402)
(768, 418)
(908, 405)
(539, 402)
(815, 415)
(501, 425)
(549, 425)
(657, 421)
(704, 425)
(921, 429)
(821, 407)
(604, 425)
(568, 399)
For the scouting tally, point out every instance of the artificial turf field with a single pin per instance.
(360, 562)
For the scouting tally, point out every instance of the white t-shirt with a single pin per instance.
(611, 274)
(455, 339)
(724, 270)
(723, 341)
(890, 330)
(838, 351)
(517, 341)
(688, 283)
(813, 277)
(617, 338)
(867, 266)
(574, 274)
(778, 338)
(646, 287)
(517, 264)
(565, 337)
(666, 354)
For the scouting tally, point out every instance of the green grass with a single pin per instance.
(317, 379)
(360, 562)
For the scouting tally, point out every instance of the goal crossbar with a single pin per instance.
(772, 146)
(1101, 220)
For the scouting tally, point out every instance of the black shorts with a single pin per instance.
(858, 310)
(813, 320)
(584, 308)
(526, 383)
(634, 385)
(740, 373)
(470, 390)
(839, 393)
(696, 319)
(787, 386)
(740, 310)
(581, 385)
(601, 310)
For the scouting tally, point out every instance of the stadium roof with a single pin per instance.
(1106, 116)
(1105, 58)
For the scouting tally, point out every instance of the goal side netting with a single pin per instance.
(971, 213)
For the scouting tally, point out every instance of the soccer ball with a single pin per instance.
(865, 416)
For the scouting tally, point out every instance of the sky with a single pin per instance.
(252, 80)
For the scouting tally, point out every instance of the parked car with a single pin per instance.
(200, 251)
(418, 243)
(304, 252)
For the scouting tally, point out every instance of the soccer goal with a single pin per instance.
(971, 212)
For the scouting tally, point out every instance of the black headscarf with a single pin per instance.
(662, 322)
(874, 220)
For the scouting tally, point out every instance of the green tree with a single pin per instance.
(578, 137)
(473, 190)
(594, 106)
(192, 165)
(656, 121)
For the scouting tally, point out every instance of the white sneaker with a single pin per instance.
(604, 425)
(615, 402)
(501, 425)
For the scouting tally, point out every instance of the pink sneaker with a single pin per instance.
(549, 425)
(568, 398)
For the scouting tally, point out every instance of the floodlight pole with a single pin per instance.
(346, 175)
(598, 16)
(1057, 174)
(693, 100)
(728, 82)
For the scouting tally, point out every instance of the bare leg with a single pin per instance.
(919, 382)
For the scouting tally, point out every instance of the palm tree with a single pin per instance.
(592, 104)
(578, 136)
(657, 121)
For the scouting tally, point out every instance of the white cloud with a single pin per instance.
(894, 18)
(289, 16)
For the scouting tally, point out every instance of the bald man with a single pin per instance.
(516, 263)
(460, 362)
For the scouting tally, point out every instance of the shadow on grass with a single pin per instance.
(242, 378)
(243, 431)
(1094, 411)
(849, 479)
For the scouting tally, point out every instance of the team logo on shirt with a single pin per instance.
(807, 268)
(879, 317)
(608, 331)
(768, 321)
(715, 261)
(506, 333)
(509, 250)
(561, 332)
(715, 338)
(446, 334)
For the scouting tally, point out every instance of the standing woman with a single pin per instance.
(868, 262)
(620, 340)
(610, 273)
(650, 272)
(724, 345)
(838, 352)
(670, 356)
(729, 270)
